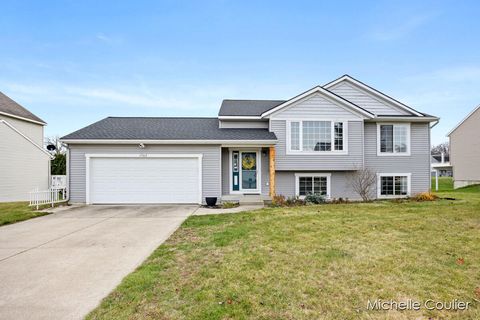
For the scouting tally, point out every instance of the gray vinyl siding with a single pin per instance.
(265, 175)
(418, 163)
(351, 161)
(315, 106)
(366, 100)
(339, 184)
(243, 124)
(211, 178)
(225, 171)
(265, 172)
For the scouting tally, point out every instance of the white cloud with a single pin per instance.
(449, 74)
(191, 98)
(108, 39)
(400, 29)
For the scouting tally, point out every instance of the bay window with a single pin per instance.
(316, 136)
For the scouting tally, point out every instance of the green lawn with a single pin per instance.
(444, 184)
(314, 262)
(11, 212)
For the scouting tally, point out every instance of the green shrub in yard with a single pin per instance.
(294, 201)
(314, 199)
(281, 201)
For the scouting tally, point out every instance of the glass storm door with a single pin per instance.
(249, 171)
(236, 171)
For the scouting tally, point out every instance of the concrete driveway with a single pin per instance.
(60, 266)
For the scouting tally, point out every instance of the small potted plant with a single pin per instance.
(211, 201)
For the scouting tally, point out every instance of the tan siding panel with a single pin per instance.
(465, 151)
(32, 130)
(23, 167)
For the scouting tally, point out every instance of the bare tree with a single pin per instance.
(443, 147)
(363, 182)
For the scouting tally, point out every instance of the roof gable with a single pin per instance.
(316, 106)
(326, 94)
(11, 108)
(372, 97)
(477, 109)
(12, 128)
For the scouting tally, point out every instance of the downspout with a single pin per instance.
(363, 145)
(68, 173)
(429, 155)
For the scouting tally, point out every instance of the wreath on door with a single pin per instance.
(248, 162)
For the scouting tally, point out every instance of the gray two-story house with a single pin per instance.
(311, 143)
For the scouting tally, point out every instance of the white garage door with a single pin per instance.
(144, 180)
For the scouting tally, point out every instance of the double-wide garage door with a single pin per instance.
(144, 180)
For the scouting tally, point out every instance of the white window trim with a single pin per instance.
(394, 153)
(379, 185)
(332, 128)
(314, 174)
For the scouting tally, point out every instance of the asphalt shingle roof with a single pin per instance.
(139, 128)
(247, 107)
(9, 106)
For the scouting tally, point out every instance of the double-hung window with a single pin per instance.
(393, 139)
(312, 183)
(393, 185)
(317, 136)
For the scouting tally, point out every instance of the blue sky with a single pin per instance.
(75, 62)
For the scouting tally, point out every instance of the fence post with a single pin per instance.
(36, 197)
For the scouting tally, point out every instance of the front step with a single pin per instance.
(246, 199)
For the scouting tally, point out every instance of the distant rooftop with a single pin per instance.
(247, 107)
(9, 106)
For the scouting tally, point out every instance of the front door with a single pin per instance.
(245, 171)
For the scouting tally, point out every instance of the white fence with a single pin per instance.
(50, 196)
(59, 181)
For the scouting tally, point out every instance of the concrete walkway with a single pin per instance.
(60, 266)
(204, 211)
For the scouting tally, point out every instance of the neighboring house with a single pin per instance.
(465, 150)
(25, 164)
(441, 164)
(311, 143)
